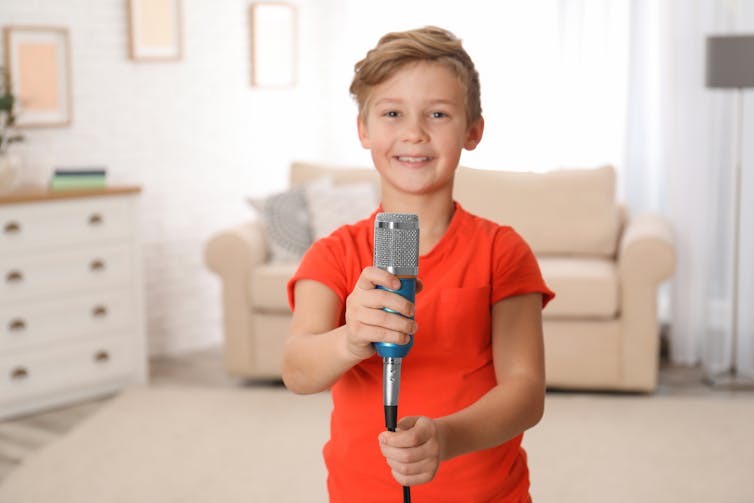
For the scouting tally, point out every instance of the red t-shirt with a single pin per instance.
(476, 264)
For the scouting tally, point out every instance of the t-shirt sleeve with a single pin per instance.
(323, 262)
(516, 270)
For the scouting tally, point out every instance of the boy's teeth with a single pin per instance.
(412, 159)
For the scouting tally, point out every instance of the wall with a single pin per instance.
(193, 134)
(539, 62)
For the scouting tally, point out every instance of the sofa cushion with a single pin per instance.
(585, 287)
(566, 211)
(267, 287)
(331, 206)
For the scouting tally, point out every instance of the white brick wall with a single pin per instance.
(193, 134)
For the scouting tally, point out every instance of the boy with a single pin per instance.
(474, 380)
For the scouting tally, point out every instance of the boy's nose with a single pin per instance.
(414, 132)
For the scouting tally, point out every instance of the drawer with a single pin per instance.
(34, 373)
(34, 324)
(40, 225)
(48, 275)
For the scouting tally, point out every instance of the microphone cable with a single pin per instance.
(391, 420)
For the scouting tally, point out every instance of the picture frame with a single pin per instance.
(38, 62)
(155, 31)
(274, 44)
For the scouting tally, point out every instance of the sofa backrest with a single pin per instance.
(560, 212)
(302, 172)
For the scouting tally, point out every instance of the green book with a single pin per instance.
(78, 182)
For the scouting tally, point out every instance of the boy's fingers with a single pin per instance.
(372, 276)
(419, 467)
(408, 422)
(387, 324)
(378, 299)
(407, 434)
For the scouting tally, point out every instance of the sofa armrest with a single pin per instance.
(237, 250)
(646, 251)
(646, 257)
(233, 254)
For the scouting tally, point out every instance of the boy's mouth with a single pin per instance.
(413, 159)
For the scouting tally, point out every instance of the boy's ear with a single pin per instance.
(474, 134)
(363, 133)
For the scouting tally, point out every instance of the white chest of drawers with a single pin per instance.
(71, 299)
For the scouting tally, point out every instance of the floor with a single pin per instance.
(22, 436)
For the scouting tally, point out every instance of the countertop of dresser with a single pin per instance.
(28, 194)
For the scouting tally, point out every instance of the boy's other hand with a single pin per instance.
(413, 450)
(366, 319)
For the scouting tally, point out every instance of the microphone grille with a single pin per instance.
(396, 243)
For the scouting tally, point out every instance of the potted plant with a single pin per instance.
(9, 162)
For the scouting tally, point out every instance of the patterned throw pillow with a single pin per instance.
(331, 206)
(286, 221)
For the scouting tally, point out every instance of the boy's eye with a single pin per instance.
(438, 115)
(391, 113)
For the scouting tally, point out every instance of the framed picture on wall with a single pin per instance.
(154, 30)
(274, 41)
(38, 63)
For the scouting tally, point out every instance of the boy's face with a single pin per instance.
(415, 126)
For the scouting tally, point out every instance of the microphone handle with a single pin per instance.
(391, 385)
(407, 290)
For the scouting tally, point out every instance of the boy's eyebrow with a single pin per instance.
(442, 101)
(398, 101)
(388, 101)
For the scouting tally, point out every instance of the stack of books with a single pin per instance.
(78, 178)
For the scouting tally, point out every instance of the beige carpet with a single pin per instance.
(187, 445)
(639, 449)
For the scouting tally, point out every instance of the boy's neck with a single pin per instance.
(435, 214)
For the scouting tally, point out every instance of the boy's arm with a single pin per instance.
(314, 356)
(318, 351)
(515, 404)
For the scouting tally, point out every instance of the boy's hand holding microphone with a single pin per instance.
(367, 319)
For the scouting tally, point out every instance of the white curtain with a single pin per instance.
(591, 90)
(679, 161)
(635, 71)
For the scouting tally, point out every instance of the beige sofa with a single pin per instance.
(601, 331)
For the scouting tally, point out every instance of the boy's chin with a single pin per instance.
(420, 188)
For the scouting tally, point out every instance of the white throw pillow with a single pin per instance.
(332, 206)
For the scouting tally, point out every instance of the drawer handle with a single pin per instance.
(17, 325)
(101, 356)
(19, 373)
(14, 277)
(99, 311)
(12, 228)
(95, 219)
(97, 265)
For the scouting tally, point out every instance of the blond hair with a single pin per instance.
(397, 49)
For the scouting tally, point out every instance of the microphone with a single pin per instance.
(396, 250)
